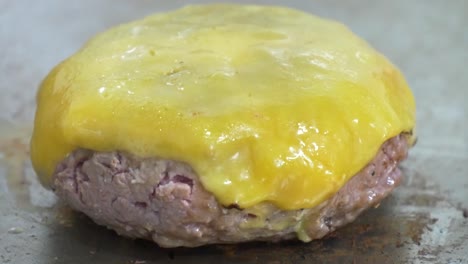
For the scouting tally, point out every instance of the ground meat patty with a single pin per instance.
(163, 200)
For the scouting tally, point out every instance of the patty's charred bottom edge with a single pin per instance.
(164, 201)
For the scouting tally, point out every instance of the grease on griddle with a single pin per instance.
(26, 192)
(15, 152)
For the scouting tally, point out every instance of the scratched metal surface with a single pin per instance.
(424, 221)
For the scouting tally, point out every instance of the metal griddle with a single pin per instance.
(424, 221)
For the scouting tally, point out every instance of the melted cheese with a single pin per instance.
(265, 103)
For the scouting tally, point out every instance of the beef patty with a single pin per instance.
(164, 200)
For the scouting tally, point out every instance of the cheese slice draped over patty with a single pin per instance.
(267, 104)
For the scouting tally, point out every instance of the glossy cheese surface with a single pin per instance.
(265, 103)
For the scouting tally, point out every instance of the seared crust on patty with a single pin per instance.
(164, 201)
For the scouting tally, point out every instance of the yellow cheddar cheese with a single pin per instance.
(267, 104)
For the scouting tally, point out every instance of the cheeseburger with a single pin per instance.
(223, 123)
